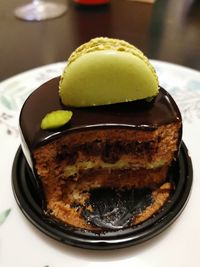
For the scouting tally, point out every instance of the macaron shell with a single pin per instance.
(107, 77)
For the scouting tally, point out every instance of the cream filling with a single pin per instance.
(73, 170)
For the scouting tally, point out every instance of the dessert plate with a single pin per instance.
(28, 199)
(178, 245)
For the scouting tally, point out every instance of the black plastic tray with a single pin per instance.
(25, 191)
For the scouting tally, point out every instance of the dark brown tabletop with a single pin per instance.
(168, 30)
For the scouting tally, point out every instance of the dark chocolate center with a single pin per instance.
(115, 209)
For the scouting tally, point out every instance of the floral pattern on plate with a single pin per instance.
(4, 215)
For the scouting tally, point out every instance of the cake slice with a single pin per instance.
(122, 143)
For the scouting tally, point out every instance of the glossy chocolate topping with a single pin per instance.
(137, 114)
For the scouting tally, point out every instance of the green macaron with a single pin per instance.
(107, 71)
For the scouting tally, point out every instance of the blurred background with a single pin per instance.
(167, 30)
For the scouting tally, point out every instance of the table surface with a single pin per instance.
(167, 30)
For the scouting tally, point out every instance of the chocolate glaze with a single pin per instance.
(136, 114)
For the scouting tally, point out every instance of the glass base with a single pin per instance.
(40, 10)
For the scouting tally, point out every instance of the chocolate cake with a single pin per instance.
(121, 146)
(101, 138)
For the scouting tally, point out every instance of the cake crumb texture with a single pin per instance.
(121, 158)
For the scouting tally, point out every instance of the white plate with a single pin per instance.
(24, 245)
